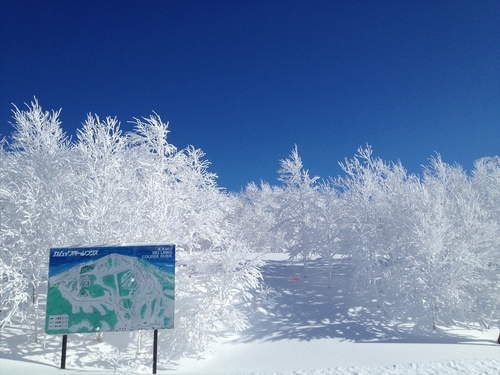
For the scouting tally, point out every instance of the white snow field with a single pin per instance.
(310, 330)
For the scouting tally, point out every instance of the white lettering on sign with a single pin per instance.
(58, 321)
(72, 253)
(150, 256)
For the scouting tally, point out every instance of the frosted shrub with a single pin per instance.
(34, 172)
(112, 188)
(213, 288)
(297, 209)
(378, 205)
(449, 278)
(255, 218)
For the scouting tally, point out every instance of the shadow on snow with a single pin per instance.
(306, 309)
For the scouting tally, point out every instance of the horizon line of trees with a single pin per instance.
(427, 247)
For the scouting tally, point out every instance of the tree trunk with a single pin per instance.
(139, 342)
(329, 271)
(35, 304)
(305, 265)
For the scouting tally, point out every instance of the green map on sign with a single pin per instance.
(113, 293)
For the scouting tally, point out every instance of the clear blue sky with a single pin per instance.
(246, 80)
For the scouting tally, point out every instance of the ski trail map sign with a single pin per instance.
(110, 288)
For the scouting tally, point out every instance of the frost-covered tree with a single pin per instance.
(186, 204)
(255, 217)
(14, 287)
(425, 247)
(104, 183)
(177, 200)
(448, 276)
(103, 186)
(34, 211)
(213, 287)
(298, 207)
(486, 182)
(378, 210)
(331, 226)
(157, 215)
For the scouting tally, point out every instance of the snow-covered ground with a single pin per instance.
(311, 330)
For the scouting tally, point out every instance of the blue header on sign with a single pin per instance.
(63, 259)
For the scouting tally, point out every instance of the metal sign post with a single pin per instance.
(155, 350)
(63, 352)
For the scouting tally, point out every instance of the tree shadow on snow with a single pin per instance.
(306, 309)
(84, 352)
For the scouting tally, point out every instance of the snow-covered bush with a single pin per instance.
(178, 200)
(212, 288)
(112, 188)
(449, 276)
(298, 209)
(378, 202)
(255, 218)
(331, 234)
(426, 247)
(103, 185)
(34, 172)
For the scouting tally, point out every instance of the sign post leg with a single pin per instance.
(63, 352)
(155, 350)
